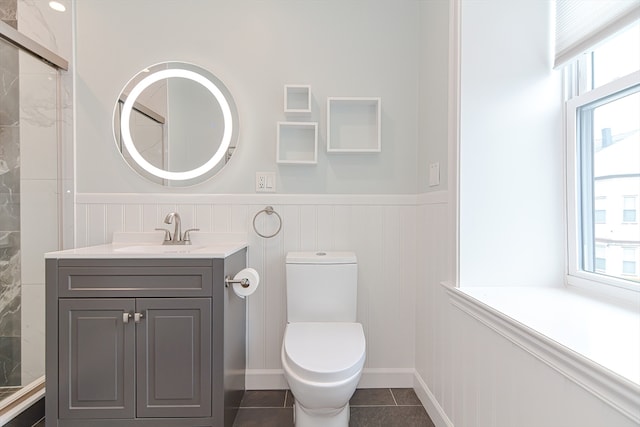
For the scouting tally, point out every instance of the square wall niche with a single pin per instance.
(297, 143)
(353, 125)
(297, 99)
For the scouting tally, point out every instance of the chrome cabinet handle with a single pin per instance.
(137, 317)
(126, 317)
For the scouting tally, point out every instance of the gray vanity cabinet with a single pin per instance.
(97, 362)
(164, 358)
(142, 342)
(173, 348)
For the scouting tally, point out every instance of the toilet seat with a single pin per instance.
(324, 351)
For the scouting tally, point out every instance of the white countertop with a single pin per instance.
(149, 245)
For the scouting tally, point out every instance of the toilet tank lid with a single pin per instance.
(321, 257)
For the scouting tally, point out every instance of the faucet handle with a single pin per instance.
(167, 234)
(186, 238)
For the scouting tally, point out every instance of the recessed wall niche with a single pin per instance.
(297, 143)
(353, 125)
(297, 99)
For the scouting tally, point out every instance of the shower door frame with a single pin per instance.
(22, 42)
(29, 393)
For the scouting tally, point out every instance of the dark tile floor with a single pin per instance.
(383, 407)
(370, 407)
(30, 417)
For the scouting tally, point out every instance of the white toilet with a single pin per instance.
(323, 349)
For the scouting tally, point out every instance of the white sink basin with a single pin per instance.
(149, 245)
(158, 249)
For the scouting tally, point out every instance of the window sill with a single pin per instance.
(593, 343)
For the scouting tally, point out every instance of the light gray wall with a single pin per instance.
(434, 78)
(340, 48)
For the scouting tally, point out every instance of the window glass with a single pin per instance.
(609, 144)
(629, 261)
(601, 258)
(629, 209)
(602, 91)
(617, 57)
(600, 210)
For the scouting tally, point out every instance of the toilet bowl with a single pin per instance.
(323, 350)
(322, 363)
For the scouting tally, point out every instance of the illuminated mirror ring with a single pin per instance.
(211, 87)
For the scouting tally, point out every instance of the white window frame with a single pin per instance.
(575, 275)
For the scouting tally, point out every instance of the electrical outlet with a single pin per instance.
(265, 182)
(261, 182)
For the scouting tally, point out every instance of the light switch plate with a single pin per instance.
(434, 174)
(265, 182)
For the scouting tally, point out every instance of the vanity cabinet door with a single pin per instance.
(96, 358)
(173, 357)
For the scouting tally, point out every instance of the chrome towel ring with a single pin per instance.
(269, 211)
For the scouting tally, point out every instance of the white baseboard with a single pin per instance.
(387, 378)
(435, 411)
(265, 379)
(273, 379)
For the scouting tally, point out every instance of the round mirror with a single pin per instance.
(176, 124)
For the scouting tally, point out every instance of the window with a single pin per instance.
(603, 147)
(629, 209)
(601, 258)
(609, 53)
(600, 210)
(629, 261)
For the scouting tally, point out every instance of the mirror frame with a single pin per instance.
(227, 106)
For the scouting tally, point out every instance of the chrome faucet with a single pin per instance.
(177, 238)
(177, 232)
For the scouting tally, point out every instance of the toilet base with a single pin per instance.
(304, 417)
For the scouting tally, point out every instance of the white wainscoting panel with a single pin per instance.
(465, 373)
(469, 375)
(381, 230)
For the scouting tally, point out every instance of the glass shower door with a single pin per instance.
(29, 210)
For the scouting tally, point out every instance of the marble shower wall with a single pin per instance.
(30, 221)
(10, 262)
(8, 12)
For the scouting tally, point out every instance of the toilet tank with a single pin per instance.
(321, 286)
